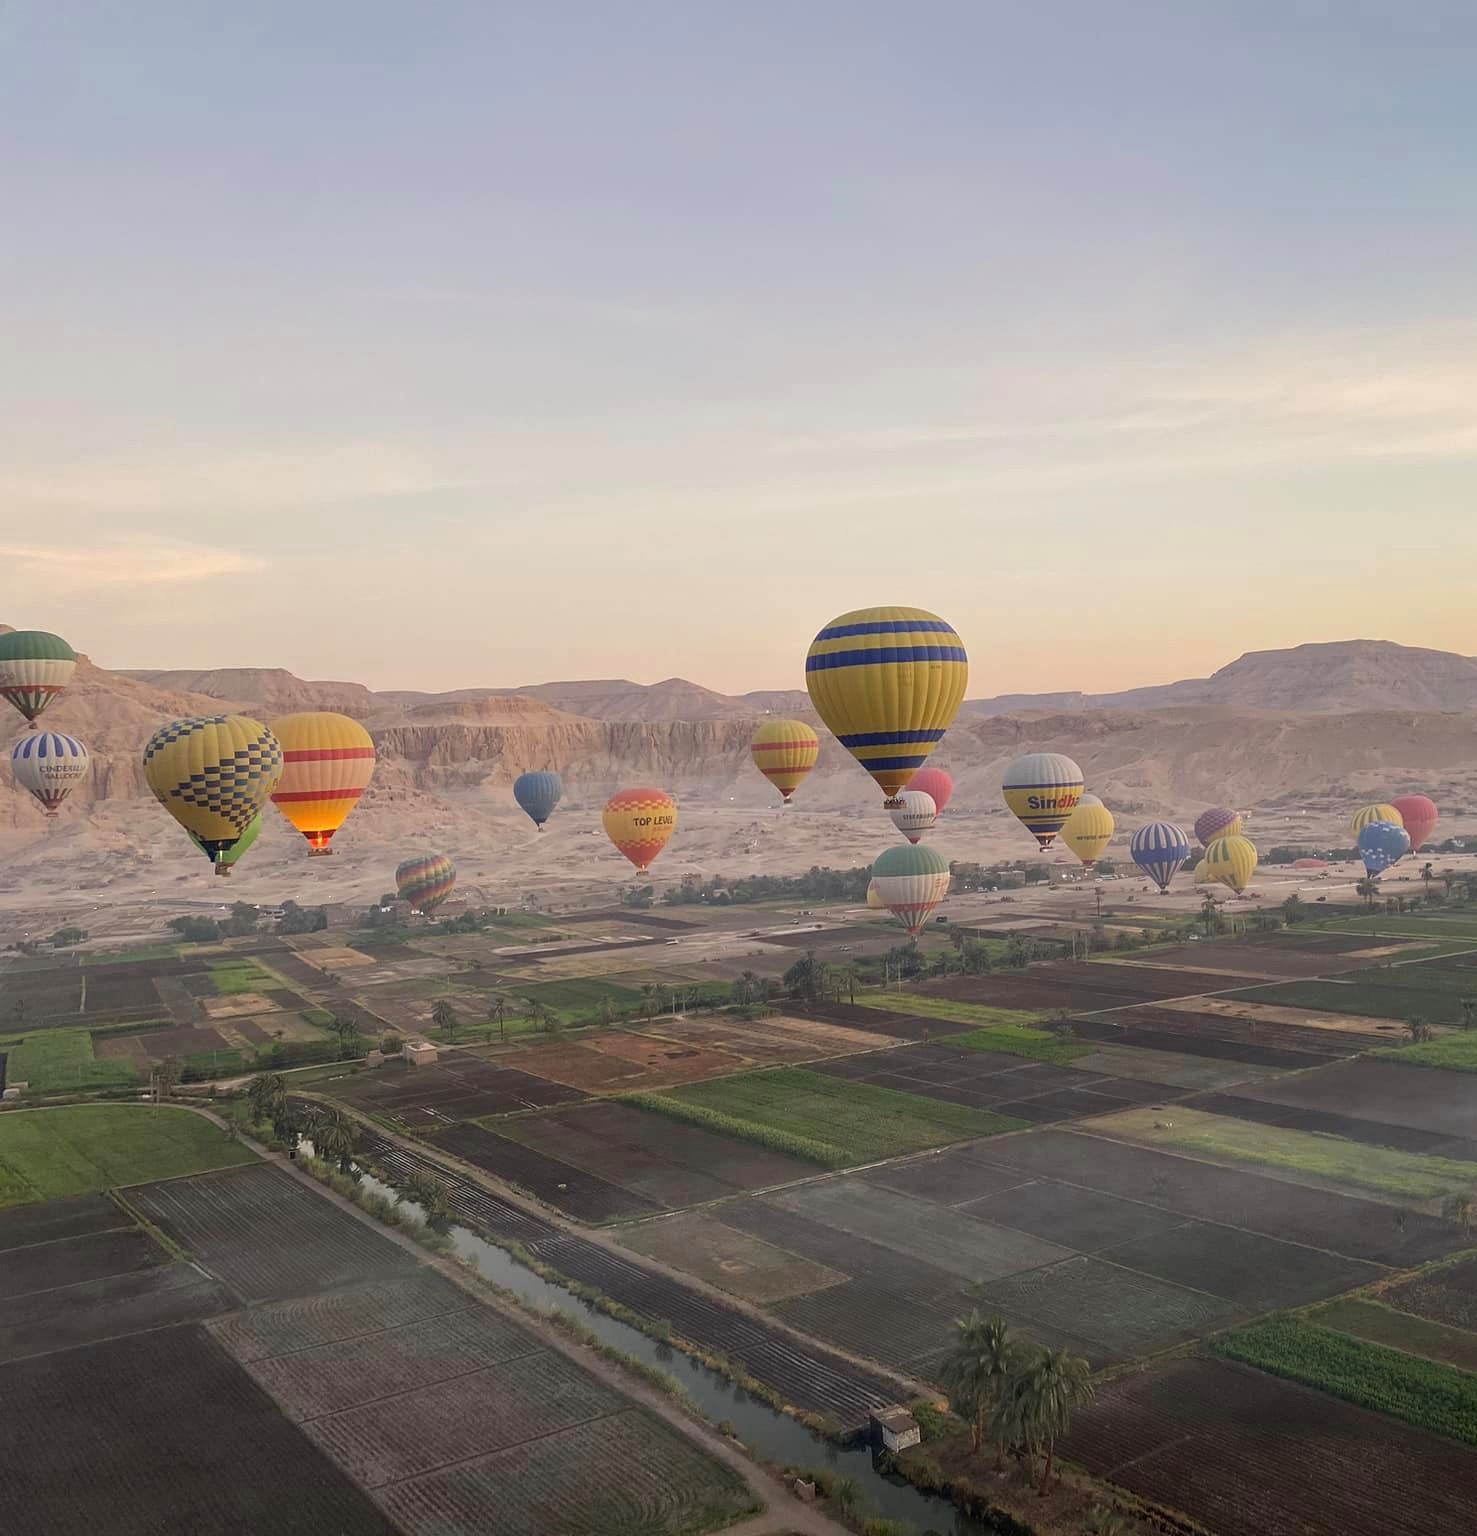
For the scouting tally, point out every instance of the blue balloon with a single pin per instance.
(1159, 849)
(538, 794)
(1381, 843)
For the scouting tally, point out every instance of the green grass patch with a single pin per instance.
(1019, 1040)
(1386, 994)
(241, 976)
(129, 956)
(1379, 1324)
(1377, 1170)
(61, 1061)
(1421, 1392)
(82, 1148)
(1423, 925)
(926, 1006)
(823, 1119)
(1456, 1053)
(319, 1016)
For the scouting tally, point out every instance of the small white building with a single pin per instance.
(420, 1053)
(896, 1429)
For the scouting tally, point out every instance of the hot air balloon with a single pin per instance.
(1380, 812)
(327, 762)
(50, 765)
(1042, 790)
(1419, 816)
(242, 845)
(34, 668)
(213, 773)
(887, 682)
(1228, 861)
(1381, 844)
(874, 901)
(425, 880)
(935, 782)
(910, 883)
(1089, 799)
(1159, 850)
(640, 822)
(1217, 822)
(784, 751)
(913, 814)
(537, 794)
(1087, 831)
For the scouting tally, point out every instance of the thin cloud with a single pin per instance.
(54, 570)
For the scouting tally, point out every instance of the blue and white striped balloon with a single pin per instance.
(50, 765)
(1159, 849)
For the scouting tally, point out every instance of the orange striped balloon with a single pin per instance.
(640, 822)
(327, 762)
(784, 751)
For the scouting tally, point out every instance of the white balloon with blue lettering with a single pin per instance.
(50, 765)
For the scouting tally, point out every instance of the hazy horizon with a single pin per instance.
(498, 346)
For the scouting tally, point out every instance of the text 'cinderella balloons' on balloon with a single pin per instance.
(34, 668)
(213, 773)
(1160, 849)
(1041, 790)
(785, 751)
(1229, 861)
(327, 763)
(1381, 844)
(936, 784)
(910, 883)
(425, 880)
(888, 683)
(913, 814)
(50, 765)
(1418, 814)
(1087, 832)
(1218, 821)
(640, 822)
(537, 794)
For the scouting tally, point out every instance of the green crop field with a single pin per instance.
(241, 976)
(80, 1148)
(1421, 1392)
(1374, 1170)
(925, 1006)
(1018, 1040)
(58, 1060)
(1379, 1324)
(1456, 1053)
(1389, 997)
(823, 1119)
(129, 956)
(1426, 925)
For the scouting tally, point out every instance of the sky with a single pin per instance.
(483, 344)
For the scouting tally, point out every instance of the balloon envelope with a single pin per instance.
(327, 763)
(1381, 844)
(935, 782)
(1229, 861)
(1087, 831)
(1419, 815)
(240, 846)
(887, 682)
(1159, 849)
(874, 901)
(34, 668)
(1380, 811)
(1042, 790)
(1089, 799)
(910, 883)
(1218, 821)
(640, 822)
(213, 773)
(425, 880)
(784, 751)
(537, 794)
(50, 765)
(913, 814)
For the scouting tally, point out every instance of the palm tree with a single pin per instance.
(846, 1495)
(334, 1134)
(1469, 1012)
(1427, 875)
(497, 1013)
(1418, 1029)
(1052, 1385)
(1102, 1521)
(1368, 889)
(266, 1093)
(648, 1001)
(436, 1205)
(851, 975)
(444, 1017)
(976, 1372)
(1209, 914)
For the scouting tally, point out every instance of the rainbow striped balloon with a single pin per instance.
(426, 880)
(888, 683)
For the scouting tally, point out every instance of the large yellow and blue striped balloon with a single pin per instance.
(1041, 790)
(888, 683)
(1228, 861)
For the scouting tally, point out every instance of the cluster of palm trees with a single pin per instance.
(332, 1132)
(1015, 1396)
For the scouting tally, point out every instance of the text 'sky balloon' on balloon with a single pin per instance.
(425, 880)
(1419, 816)
(1088, 831)
(213, 773)
(784, 751)
(888, 683)
(1229, 861)
(34, 668)
(1380, 811)
(640, 822)
(537, 794)
(50, 765)
(1160, 849)
(327, 763)
(1218, 821)
(913, 814)
(1041, 790)
(911, 882)
(935, 783)
(1381, 844)
(232, 856)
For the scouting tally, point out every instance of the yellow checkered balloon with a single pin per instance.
(213, 774)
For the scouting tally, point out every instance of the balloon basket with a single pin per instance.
(223, 871)
(319, 853)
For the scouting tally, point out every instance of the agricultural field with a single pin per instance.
(1251, 1454)
(773, 1040)
(1456, 1053)
(1399, 994)
(823, 1119)
(1365, 1318)
(78, 1148)
(622, 1060)
(1444, 1293)
(1389, 1091)
(744, 1266)
(60, 1061)
(462, 1086)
